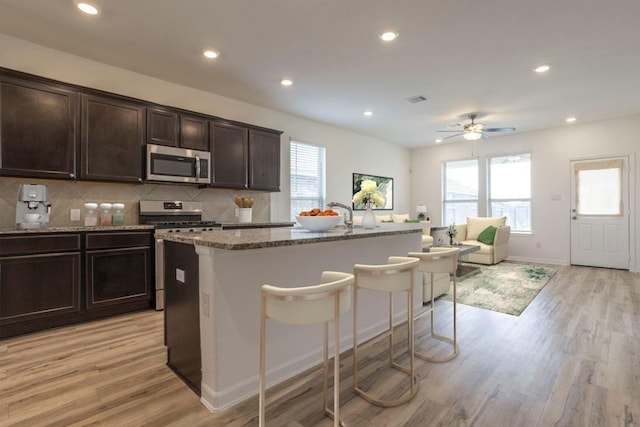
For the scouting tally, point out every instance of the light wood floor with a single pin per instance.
(571, 359)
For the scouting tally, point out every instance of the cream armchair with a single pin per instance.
(427, 238)
(489, 253)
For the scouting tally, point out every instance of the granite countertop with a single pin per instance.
(75, 229)
(255, 224)
(255, 238)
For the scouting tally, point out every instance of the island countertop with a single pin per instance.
(276, 237)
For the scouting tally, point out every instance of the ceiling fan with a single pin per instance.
(474, 131)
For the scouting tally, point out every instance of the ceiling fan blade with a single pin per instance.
(459, 130)
(453, 136)
(498, 130)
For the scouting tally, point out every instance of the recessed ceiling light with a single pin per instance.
(286, 82)
(438, 140)
(211, 54)
(389, 36)
(88, 9)
(570, 119)
(368, 113)
(542, 68)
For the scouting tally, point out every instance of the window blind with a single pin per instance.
(307, 177)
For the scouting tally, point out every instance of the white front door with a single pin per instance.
(600, 212)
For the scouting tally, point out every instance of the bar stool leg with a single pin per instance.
(262, 361)
(409, 371)
(335, 413)
(453, 340)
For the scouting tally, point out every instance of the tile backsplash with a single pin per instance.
(66, 195)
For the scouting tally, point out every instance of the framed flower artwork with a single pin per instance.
(378, 197)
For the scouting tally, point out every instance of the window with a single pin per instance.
(510, 190)
(307, 177)
(460, 191)
(599, 187)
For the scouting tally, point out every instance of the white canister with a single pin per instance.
(105, 215)
(118, 214)
(244, 215)
(90, 214)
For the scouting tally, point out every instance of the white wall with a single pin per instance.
(347, 152)
(551, 152)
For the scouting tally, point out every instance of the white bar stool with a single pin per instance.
(305, 306)
(439, 260)
(397, 275)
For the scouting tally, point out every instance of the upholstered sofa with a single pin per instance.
(491, 252)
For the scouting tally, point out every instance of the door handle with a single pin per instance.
(574, 217)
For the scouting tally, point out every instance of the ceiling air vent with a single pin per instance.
(416, 99)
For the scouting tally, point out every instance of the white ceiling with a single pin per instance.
(465, 56)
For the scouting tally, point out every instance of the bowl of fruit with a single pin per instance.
(318, 220)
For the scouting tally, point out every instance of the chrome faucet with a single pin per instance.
(349, 222)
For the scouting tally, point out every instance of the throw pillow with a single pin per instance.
(399, 217)
(475, 225)
(413, 221)
(487, 235)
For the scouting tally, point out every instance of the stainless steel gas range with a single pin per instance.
(170, 216)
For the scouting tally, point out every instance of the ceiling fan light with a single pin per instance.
(472, 136)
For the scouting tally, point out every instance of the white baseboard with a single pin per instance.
(538, 260)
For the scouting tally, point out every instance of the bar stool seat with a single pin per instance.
(397, 275)
(305, 306)
(438, 260)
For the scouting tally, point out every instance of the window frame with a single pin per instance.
(491, 200)
(320, 198)
(446, 202)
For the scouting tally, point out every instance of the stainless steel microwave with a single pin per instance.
(180, 165)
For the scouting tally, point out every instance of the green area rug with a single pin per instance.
(505, 287)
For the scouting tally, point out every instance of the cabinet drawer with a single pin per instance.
(118, 240)
(38, 243)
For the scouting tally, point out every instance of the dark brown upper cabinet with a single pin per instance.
(37, 129)
(112, 138)
(162, 127)
(230, 154)
(194, 132)
(264, 160)
(174, 129)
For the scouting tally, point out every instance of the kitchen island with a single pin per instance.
(234, 264)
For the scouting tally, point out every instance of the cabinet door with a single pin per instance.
(33, 287)
(117, 276)
(229, 151)
(194, 132)
(264, 160)
(112, 138)
(37, 129)
(162, 127)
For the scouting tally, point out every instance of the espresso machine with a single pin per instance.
(32, 208)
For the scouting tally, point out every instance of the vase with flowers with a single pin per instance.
(368, 196)
(452, 232)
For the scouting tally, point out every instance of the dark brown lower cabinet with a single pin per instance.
(39, 286)
(117, 276)
(51, 280)
(181, 312)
